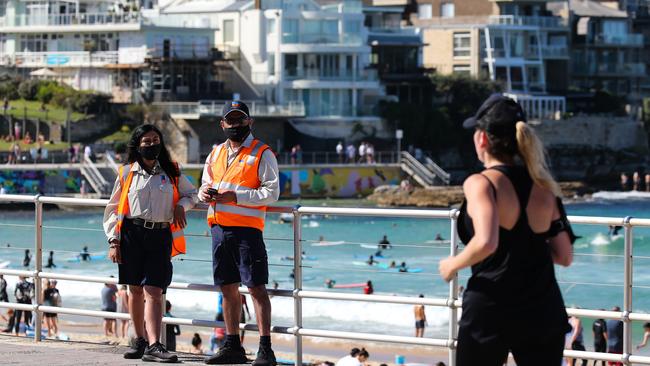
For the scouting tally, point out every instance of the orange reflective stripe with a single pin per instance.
(178, 238)
(241, 174)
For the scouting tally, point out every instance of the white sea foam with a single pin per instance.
(621, 196)
(600, 239)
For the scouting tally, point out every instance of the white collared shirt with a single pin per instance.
(151, 197)
(269, 190)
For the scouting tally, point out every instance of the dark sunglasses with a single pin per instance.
(235, 121)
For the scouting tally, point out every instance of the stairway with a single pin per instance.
(94, 177)
(427, 175)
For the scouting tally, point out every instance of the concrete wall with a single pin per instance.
(464, 8)
(439, 50)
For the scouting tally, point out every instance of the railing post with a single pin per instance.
(627, 291)
(38, 220)
(453, 291)
(297, 281)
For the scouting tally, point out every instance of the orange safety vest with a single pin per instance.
(178, 238)
(242, 173)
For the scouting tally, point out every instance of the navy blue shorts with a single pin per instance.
(146, 256)
(239, 256)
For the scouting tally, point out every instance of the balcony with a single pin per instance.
(102, 19)
(555, 51)
(542, 22)
(322, 38)
(195, 110)
(65, 59)
(610, 69)
(338, 75)
(634, 40)
(182, 52)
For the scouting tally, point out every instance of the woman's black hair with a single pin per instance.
(364, 353)
(164, 159)
(196, 340)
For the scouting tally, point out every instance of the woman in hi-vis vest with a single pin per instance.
(144, 223)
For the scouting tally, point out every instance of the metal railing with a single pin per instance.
(539, 107)
(298, 294)
(215, 107)
(535, 21)
(331, 157)
(619, 39)
(99, 19)
(94, 176)
(66, 59)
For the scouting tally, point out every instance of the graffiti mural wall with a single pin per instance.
(46, 182)
(342, 182)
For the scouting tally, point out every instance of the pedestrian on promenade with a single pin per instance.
(599, 329)
(502, 292)
(420, 319)
(370, 153)
(576, 340)
(123, 308)
(351, 154)
(3, 289)
(339, 151)
(636, 181)
(294, 155)
(51, 297)
(240, 179)
(109, 304)
(171, 330)
(646, 336)
(144, 223)
(362, 152)
(24, 293)
(615, 337)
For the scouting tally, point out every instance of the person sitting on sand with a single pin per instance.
(196, 345)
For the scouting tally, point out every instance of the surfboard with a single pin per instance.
(93, 257)
(328, 243)
(350, 285)
(5, 264)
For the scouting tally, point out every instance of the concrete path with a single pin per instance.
(24, 351)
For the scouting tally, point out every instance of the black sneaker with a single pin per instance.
(158, 353)
(227, 355)
(137, 349)
(265, 357)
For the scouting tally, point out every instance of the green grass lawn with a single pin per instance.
(53, 113)
(6, 146)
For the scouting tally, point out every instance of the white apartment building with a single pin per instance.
(126, 49)
(299, 51)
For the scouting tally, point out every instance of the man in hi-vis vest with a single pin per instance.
(240, 178)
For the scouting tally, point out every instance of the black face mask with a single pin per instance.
(150, 152)
(237, 134)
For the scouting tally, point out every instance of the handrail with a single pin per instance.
(417, 170)
(438, 171)
(111, 162)
(297, 330)
(95, 178)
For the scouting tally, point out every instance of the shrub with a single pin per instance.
(9, 89)
(88, 102)
(28, 89)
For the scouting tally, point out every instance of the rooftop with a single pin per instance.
(588, 8)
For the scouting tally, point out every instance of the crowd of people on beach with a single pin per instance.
(22, 321)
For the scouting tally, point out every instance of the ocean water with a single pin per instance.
(595, 280)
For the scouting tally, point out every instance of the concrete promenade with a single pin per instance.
(24, 351)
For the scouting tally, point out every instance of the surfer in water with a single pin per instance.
(614, 229)
(27, 259)
(384, 243)
(84, 255)
(371, 261)
(50, 261)
(439, 237)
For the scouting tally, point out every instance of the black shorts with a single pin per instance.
(419, 324)
(146, 256)
(239, 256)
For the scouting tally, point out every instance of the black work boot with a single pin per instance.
(227, 355)
(265, 357)
(158, 353)
(137, 349)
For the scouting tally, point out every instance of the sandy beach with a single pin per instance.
(315, 350)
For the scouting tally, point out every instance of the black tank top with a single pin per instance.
(514, 290)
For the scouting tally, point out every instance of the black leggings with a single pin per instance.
(543, 352)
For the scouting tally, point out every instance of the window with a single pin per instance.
(271, 64)
(291, 64)
(270, 25)
(228, 31)
(462, 69)
(447, 10)
(289, 30)
(462, 42)
(425, 11)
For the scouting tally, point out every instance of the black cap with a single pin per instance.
(235, 105)
(497, 115)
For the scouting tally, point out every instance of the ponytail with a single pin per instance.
(534, 156)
